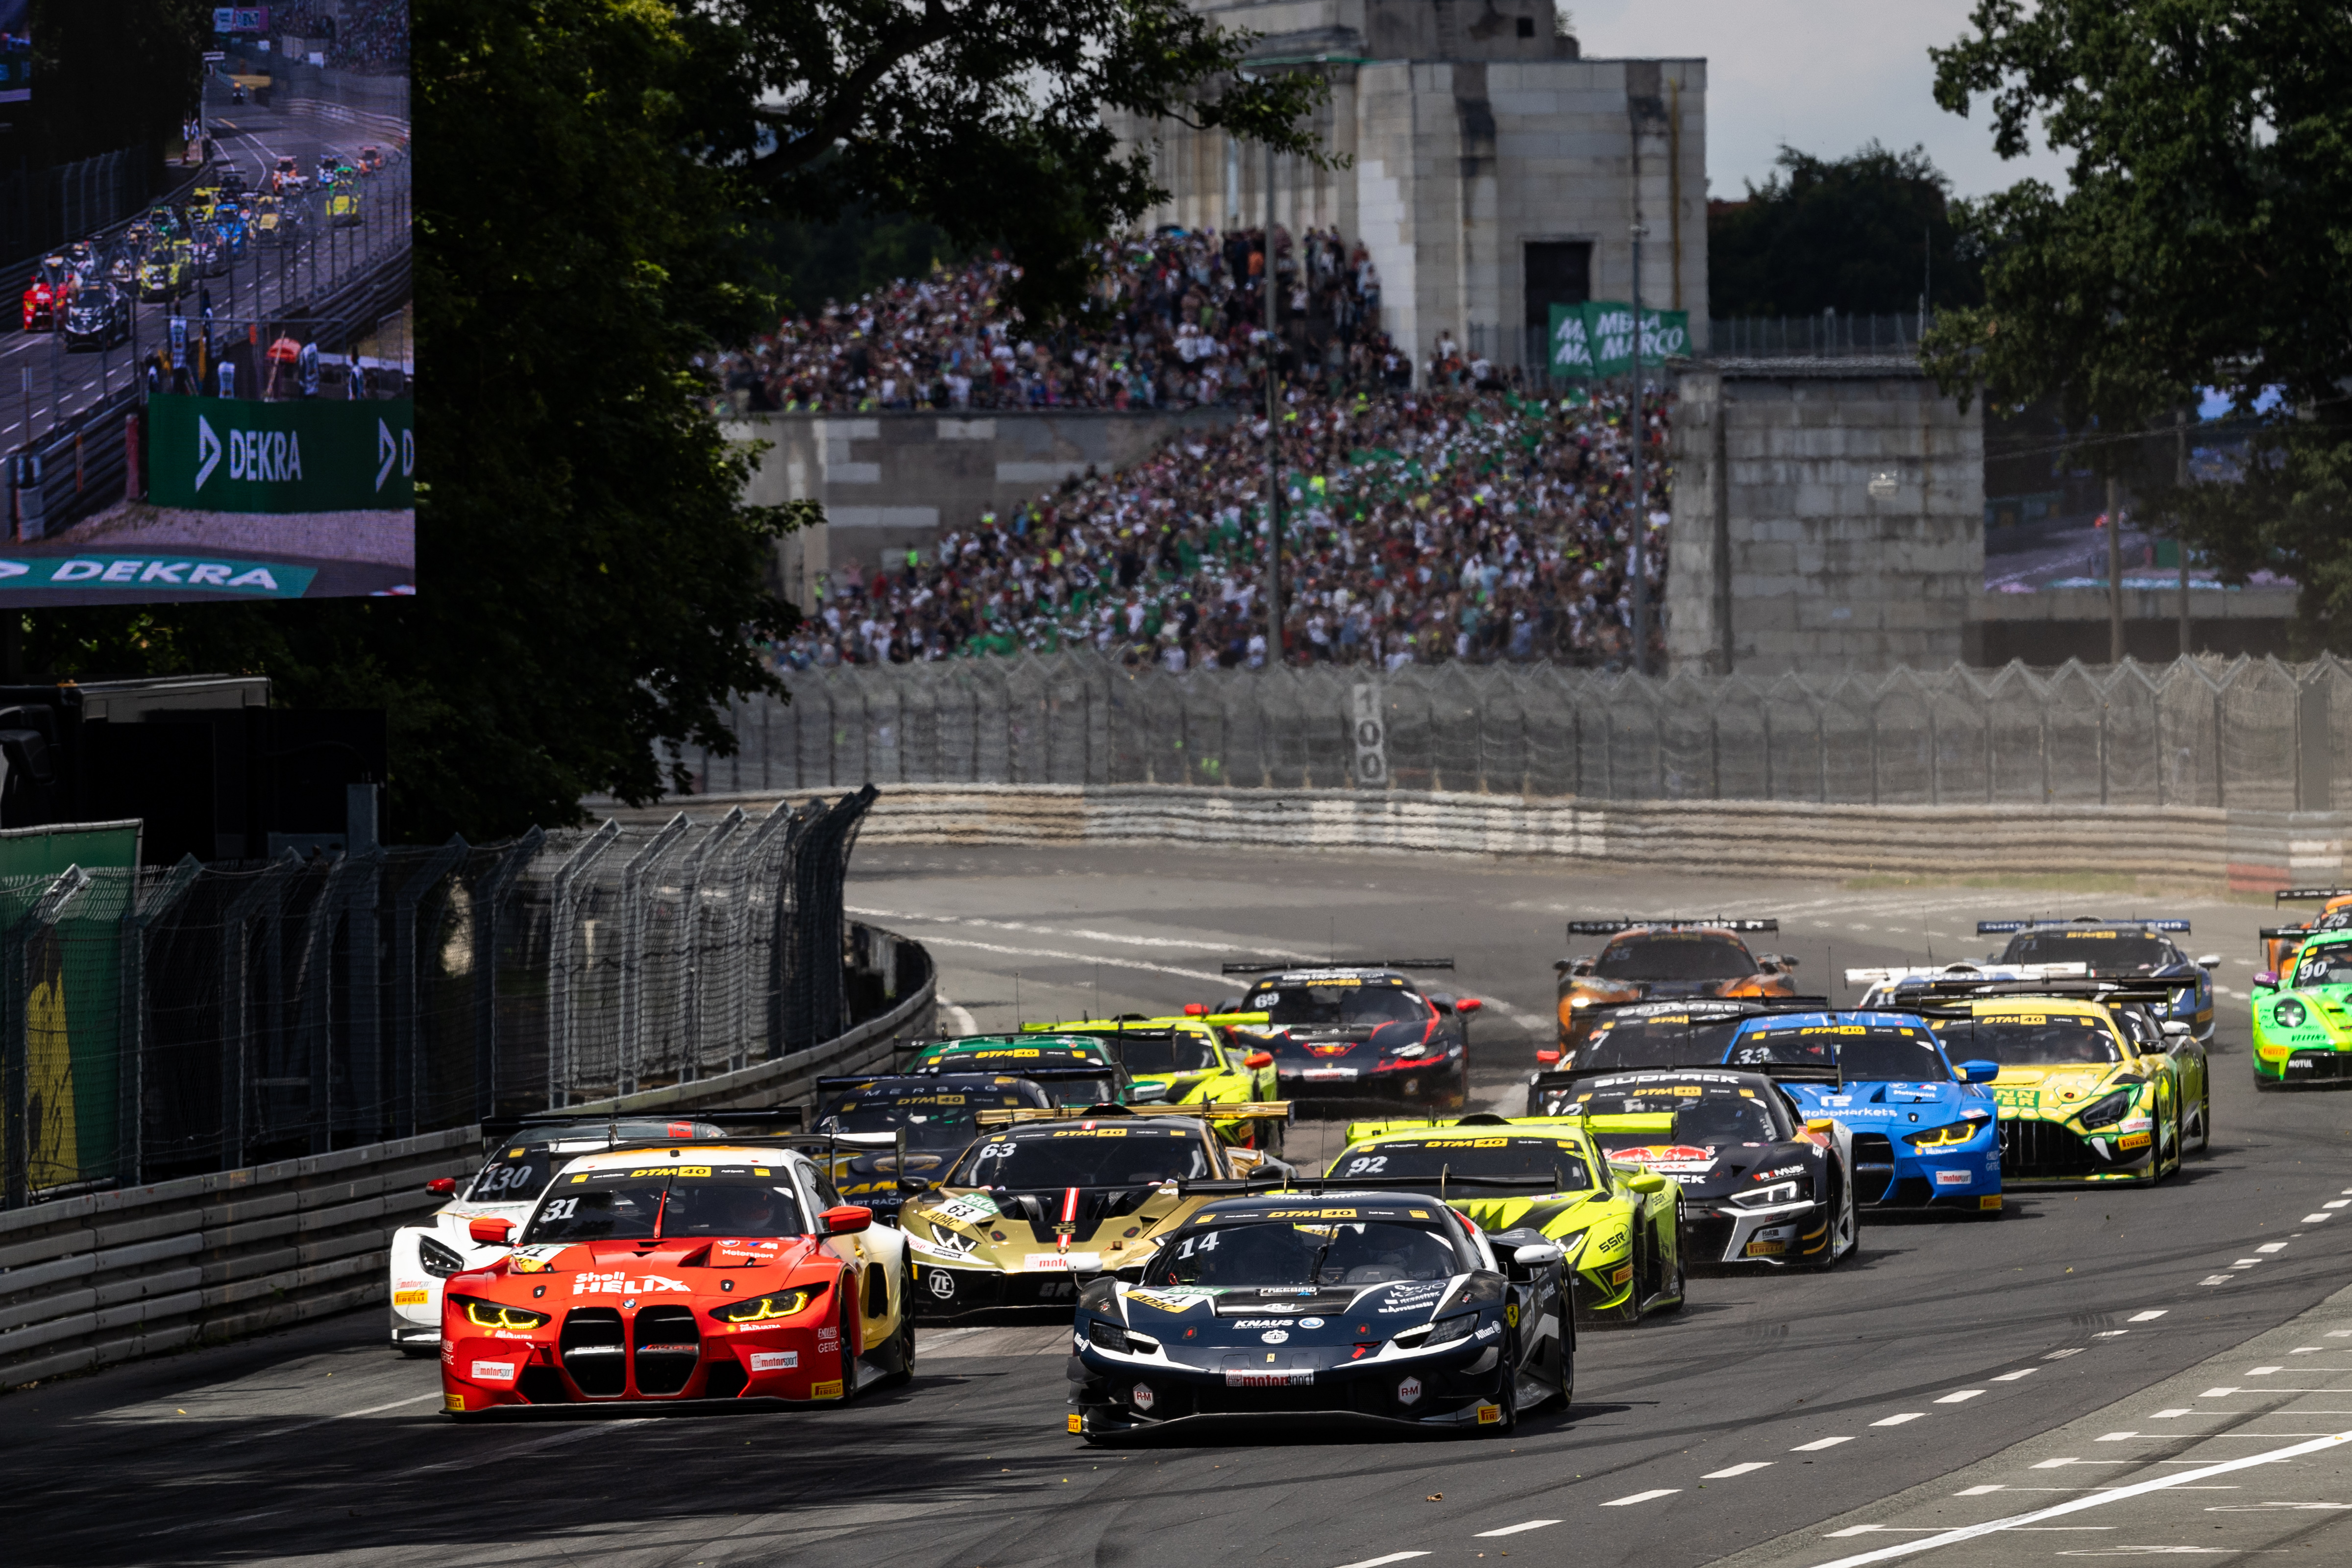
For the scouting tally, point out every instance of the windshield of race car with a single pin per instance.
(1276, 1253)
(519, 1172)
(2106, 952)
(1337, 1003)
(2329, 965)
(936, 1120)
(655, 1202)
(1659, 1040)
(1862, 1053)
(1705, 1113)
(2026, 1038)
(1175, 1051)
(1103, 1157)
(1674, 955)
(1557, 1160)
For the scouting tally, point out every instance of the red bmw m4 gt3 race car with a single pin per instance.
(712, 1271)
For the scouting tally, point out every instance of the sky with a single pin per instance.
(1823, 75)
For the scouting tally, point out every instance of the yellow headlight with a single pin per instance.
(490, 1315)
(765, 1309)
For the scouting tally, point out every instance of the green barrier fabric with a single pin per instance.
(217, 454)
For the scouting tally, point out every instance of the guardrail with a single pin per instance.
(111, 1277)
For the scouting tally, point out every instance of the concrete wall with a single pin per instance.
(2058, 624)
(1467, 143)
(1827, 515)
(891, 480)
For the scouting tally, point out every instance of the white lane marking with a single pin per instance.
(2316, 1218)
(1516, 1529)
(2117, 1436)
(2110, 1333)
(1075, 957)
(2167, 1415)
(960, 1016)
(1376, 1562)
(1960, 1396)
(2309, 1350)
(2271, 1247)
(2337, 1203)
(1978, 1491)
(1818, 1445)
(1899, 1420)
(2245, 1263)
(2219, 1393)
(2062, 1464)
(1642, 1496)
(322, 1420)
(2013, 1376)
(2062, 1355)
(2263, 1371)
(2097, 1500)
(2339, 1333)
(2217, 1279)
(1725, 1475)
(1188, 944)
(572, 1434)
(2267, 1507)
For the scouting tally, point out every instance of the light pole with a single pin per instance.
(1641, 504)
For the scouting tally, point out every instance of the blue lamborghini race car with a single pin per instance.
(1925, 1136)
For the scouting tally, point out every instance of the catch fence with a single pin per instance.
(2239, 734)
(164, 1021)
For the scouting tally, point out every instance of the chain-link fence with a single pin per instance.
(167, 1021)
(2240, 734)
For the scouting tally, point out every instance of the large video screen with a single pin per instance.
(210, 391)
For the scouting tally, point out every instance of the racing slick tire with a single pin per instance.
(1845, 1228)
(1673, 1301)
(2205, 1119)
(903, 1347)
(1507, 1396)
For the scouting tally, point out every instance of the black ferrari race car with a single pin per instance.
(1361, 1032)
(1377, 1310)
(1760, 1183)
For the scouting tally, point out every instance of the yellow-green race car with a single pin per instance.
(2302, 1016)
(1045, 1200)
(1195, 1061)
(1620, 1227)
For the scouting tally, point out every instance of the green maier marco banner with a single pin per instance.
(220, 454)
(1596, 338)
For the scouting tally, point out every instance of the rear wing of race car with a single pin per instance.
(1435, 1189)
(2038, 922)
(2309, 895)
(1217, 1111)
(1717, 1008)
(1311, 966)
(1670, 923)
(2152, 990)
(1923, 972)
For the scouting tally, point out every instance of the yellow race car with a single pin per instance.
(1196, 1060)
(1619, 1226)
(1044, 1200)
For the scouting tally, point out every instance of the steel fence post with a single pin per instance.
(488, 894)
(632, 940)
(563, 922)
(407, 1065)
(236, 1001)
(689, 984)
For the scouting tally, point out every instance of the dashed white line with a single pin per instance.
(2167, 1415)
(1725, 1475)
(2337, 1203)
(1960, 1396)
(1377, 1562)
(2013, 1376)
(2115, 1437)
(1899, 1420)
(1516, 1529)
(2062, 1355)
(1816, 1446)
(2271, 1247)
(2219, 1393)
(2152, 1315)
(2316, 1218)
(2217, 1279)
(2263, 1371)
(1978, 1491)
(1651, 1494)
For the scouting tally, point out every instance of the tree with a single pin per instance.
(589, 581)
(1865, 234)
(2201, 246)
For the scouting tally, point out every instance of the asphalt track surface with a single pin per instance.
(1773, 1409)
(265, 280)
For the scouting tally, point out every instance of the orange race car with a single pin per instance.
(1660, 959)
(2279, 942)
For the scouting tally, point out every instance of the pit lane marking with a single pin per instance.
(1515, 1529)
(1725, 1475)
(2096, 1499)
(1650, 1496)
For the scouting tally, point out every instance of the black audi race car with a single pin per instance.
(1761, 1183)
(1379, 1310)
(889, 1129)
(1366, 1032)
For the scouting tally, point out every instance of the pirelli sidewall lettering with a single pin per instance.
(216, 454)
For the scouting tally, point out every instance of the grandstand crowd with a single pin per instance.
(369, 37)
(1467, 517)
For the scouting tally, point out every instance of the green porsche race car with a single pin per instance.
(1620, 1227)
(1195, 1061)
(2302, 1016)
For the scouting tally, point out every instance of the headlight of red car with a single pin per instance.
(765, 1309)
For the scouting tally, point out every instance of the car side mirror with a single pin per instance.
(1645, 1182)
(2176, 1029)
(2210, 960)
(1537, 1255)
(1259, 1060)
(844, 1219)
(913, 1185)
(1822, 1124)
(1547, 1058)
(445, 1185)
(1147, 1093)
(2267, 980)
(492, 1232)
(1468, 1005)
(1978, 1071)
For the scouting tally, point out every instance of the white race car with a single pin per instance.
(521, 1161)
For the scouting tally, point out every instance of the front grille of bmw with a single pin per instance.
(2031, 1150)
(593, 1350)
(667, 1346)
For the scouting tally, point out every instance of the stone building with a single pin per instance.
(1494, 171)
